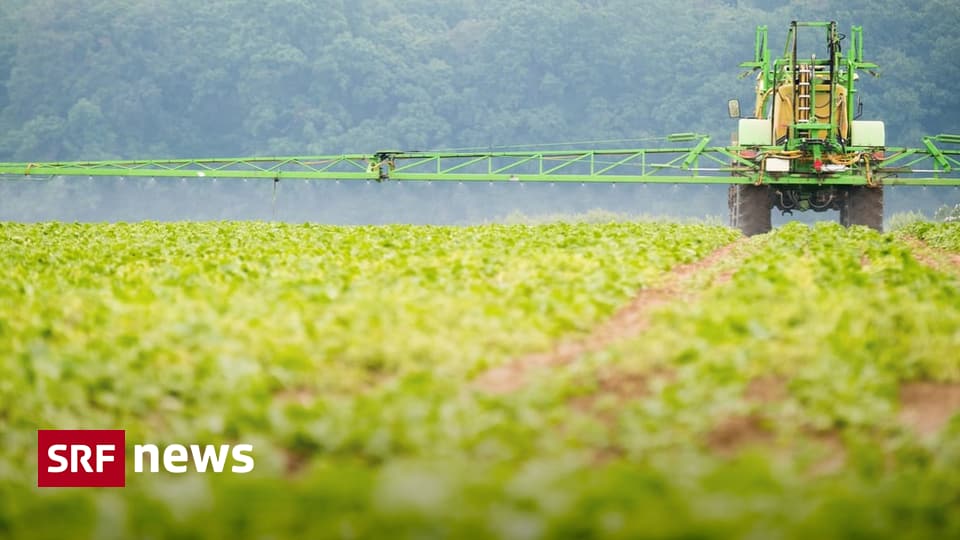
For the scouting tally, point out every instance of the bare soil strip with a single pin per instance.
(736, 432)
(622, 385)
(926, 407)
(629, 321)
(935, 258)
(767, 389)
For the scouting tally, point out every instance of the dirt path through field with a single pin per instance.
(938, 259)
(632, 319)
(927, 406)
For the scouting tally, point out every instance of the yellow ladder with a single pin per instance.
(804, 105)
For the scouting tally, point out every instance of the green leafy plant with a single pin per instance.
(767, 404)
(945, 235)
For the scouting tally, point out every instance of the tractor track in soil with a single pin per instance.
(628, 321)
(938, 259)
(927, 406)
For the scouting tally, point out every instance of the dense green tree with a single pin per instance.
(105, 78)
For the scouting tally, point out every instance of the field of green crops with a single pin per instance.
(939, 235)
(801, 386)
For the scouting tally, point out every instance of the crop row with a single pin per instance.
(809, 397)
(944, 235)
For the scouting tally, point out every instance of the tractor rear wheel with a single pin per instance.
(863, 206)
(750, 208)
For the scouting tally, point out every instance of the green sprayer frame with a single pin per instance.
(698, 163)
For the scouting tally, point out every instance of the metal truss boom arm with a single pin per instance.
(696, 163)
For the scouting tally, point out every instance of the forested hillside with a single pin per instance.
(97, 79)
(136, 78)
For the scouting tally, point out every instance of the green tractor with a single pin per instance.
(804, 139)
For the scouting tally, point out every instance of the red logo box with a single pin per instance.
(81, 457)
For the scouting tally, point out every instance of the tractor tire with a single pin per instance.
(750, 208)
(863, 206)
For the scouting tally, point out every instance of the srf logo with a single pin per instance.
(81, 458)
(97, 458)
